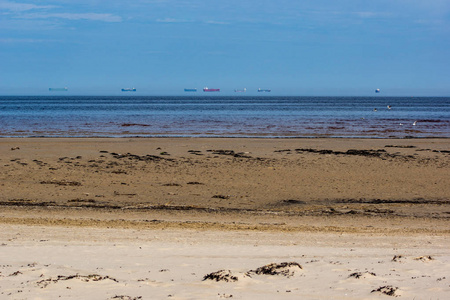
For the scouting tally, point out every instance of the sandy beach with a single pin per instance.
(158, 218)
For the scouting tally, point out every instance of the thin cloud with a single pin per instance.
(33, 11)
(366, 14)
(19, 7)
(216, 22)
(171, 20)
(73, 16)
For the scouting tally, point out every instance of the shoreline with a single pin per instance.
(227, 137)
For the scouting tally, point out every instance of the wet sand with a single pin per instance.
(218, 199)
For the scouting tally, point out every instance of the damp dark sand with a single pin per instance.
(197, 206)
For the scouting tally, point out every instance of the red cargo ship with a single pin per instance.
(206, 89)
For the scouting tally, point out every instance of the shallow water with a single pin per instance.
(101, 116)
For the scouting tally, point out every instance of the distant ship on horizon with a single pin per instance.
(190, 90)
(240, 90)
(206, 89)
(64, 89)
(129, 90)
(264, 90)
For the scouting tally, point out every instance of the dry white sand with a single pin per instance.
(38, 262)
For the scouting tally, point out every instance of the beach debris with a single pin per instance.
(387, 290)
(85, 278)
(15, 148)
(171, 184)
(441, 151)
(62, 182)
(221, 275)
(125, 297)
(15, 273)
(400, 146)
(287, 269)
(221, 196)
(358, 275)
(283, 150)
(424, 258)
(120, 171)
(195, 152)
(369, 153)
(398, 258)
(147, 157)
(230, 152)
(194, 182)
(39, 162)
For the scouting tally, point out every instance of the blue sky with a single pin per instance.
(321, 47)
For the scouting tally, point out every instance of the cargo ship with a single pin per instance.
(240, 90)
(206, 89)
(64, 89)
(190, 90)
(264, 91)
(129, 90)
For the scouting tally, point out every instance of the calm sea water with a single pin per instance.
(94, 116)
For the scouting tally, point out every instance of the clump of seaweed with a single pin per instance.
(387, 290)
(62, 182)
(358, 275)
(424, 258)
(86, 278)
(287, 269)
(222, 275)
(398, 258)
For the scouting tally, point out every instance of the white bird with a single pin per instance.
(389, 107)
(415, 122)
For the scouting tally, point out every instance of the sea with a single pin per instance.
(224, 116)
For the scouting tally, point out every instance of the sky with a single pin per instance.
(160, 47)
